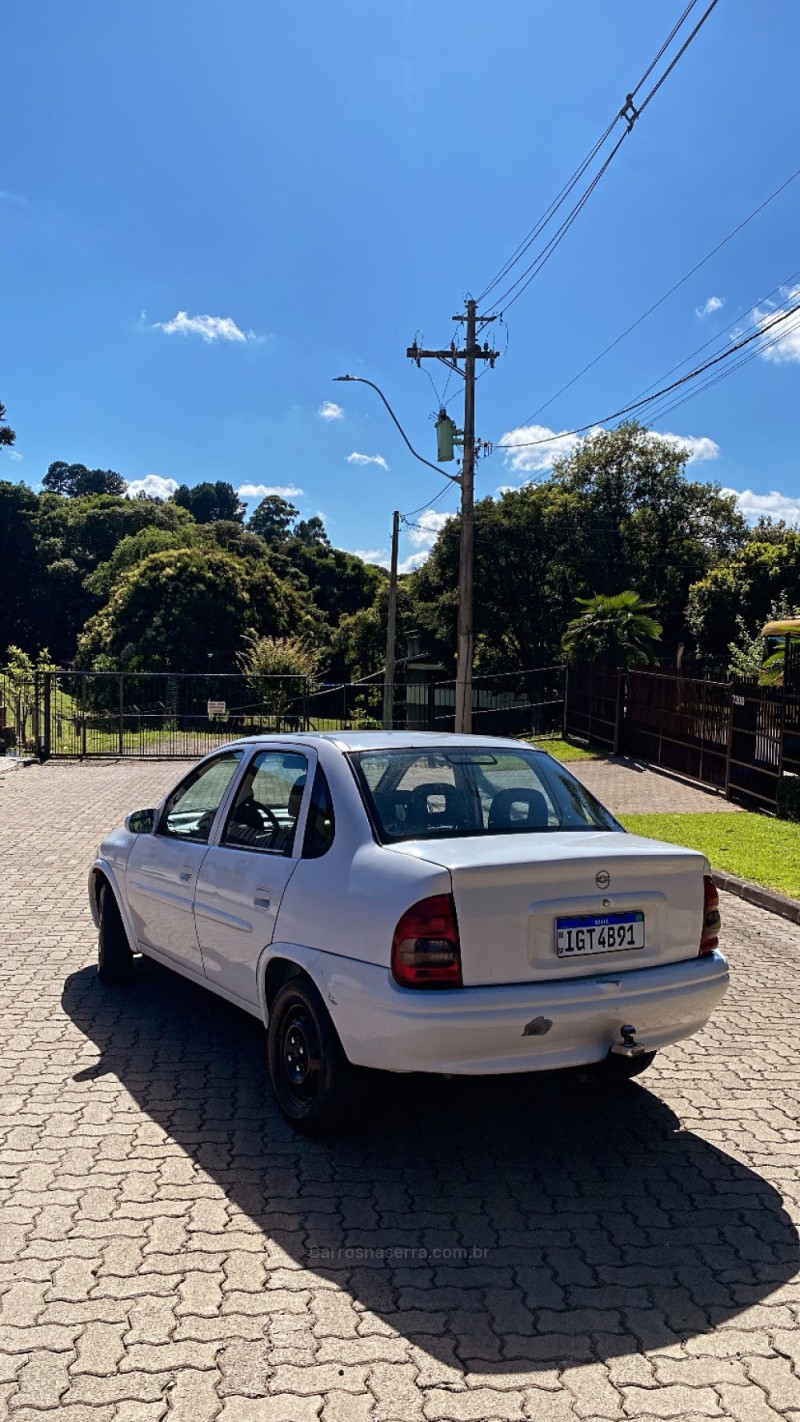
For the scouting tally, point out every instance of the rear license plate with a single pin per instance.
(606, 933)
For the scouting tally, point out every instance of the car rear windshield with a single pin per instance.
(423, 794)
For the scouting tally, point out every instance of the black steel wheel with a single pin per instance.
(114, 956)
(308, 1069)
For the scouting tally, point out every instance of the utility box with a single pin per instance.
(446, 433)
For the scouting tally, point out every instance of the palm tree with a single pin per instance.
(613, 629)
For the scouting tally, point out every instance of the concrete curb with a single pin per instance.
(9, 763)
(768, 899)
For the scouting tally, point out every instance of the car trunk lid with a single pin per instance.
(510, 892)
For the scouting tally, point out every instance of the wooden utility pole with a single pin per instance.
(391, 630)
(471, 353)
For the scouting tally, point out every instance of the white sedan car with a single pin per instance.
(412, 902)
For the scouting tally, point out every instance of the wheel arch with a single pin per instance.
(102, 874)
(280, 962)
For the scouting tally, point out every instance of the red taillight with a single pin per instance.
(425, 949)
(709, 938)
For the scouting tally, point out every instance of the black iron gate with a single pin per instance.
(740, 737)
(165, 715)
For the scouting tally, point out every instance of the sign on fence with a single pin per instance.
(217, 710)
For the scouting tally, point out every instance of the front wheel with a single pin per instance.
(114, 956)
(308, 1069)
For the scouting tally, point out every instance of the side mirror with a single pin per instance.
(141, 821)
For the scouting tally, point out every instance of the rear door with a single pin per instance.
(243, 877)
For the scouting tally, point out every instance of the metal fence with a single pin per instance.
(737, 736)
(168, 715)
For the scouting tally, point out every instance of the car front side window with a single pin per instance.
(190, 810)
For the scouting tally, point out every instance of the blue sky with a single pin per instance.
(311, 184)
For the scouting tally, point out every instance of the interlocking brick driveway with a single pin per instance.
(171, 1250)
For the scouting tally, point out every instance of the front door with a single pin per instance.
(162, 867)
(242, 878)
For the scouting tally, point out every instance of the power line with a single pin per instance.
(572, 182)
(675, 287)
(716, 339)
(629, 113)
(723, 374)
(637, 405)
(405, 517)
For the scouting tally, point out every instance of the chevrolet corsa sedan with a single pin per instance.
(412, 902)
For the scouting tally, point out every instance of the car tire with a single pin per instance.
(309, 1072)
(114, 956)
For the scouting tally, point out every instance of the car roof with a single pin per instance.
(386, 740)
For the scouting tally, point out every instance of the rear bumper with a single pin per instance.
(530, 1027)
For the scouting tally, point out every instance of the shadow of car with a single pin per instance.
(498, 1224)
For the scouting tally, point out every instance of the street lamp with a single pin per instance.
(391, 621)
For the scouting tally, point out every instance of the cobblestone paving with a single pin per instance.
(629, 787)
(491, 1251)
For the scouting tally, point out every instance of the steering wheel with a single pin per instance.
(272, 820)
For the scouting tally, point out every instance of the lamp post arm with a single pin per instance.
(362, 381)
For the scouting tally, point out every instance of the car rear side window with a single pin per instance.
(320, 825)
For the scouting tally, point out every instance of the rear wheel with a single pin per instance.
(308, 1069)
(114, 956)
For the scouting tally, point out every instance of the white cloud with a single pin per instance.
(535, 448)
(700, 448)
(209, 328)
(329, 410)
(378, 459)
(15, 455)
(427, 529)
(786, 340)
(714, 303)
(414, 561)
(261, 491)
(372, 555)
(154, 485)
(772, 505)
(540, 447)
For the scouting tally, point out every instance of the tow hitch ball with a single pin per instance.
(628, 1047)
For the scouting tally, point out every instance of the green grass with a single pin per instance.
(752, 846)
(560, 749)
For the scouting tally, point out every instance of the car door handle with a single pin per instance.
(263, 899)
(185, 875)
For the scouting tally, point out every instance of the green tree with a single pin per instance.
(619, 507)
(358, 643)
(20, 687)
(613, 628)
(75, 481)
(208, 502)
(187, 609)
(312, 532)
(7, 435)
(340, 583)
(19, 566)
(133, 549)
(760, 575)
(226, 533)
(278, 669)
(639, 517)
(272, 519)
(73, 537)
